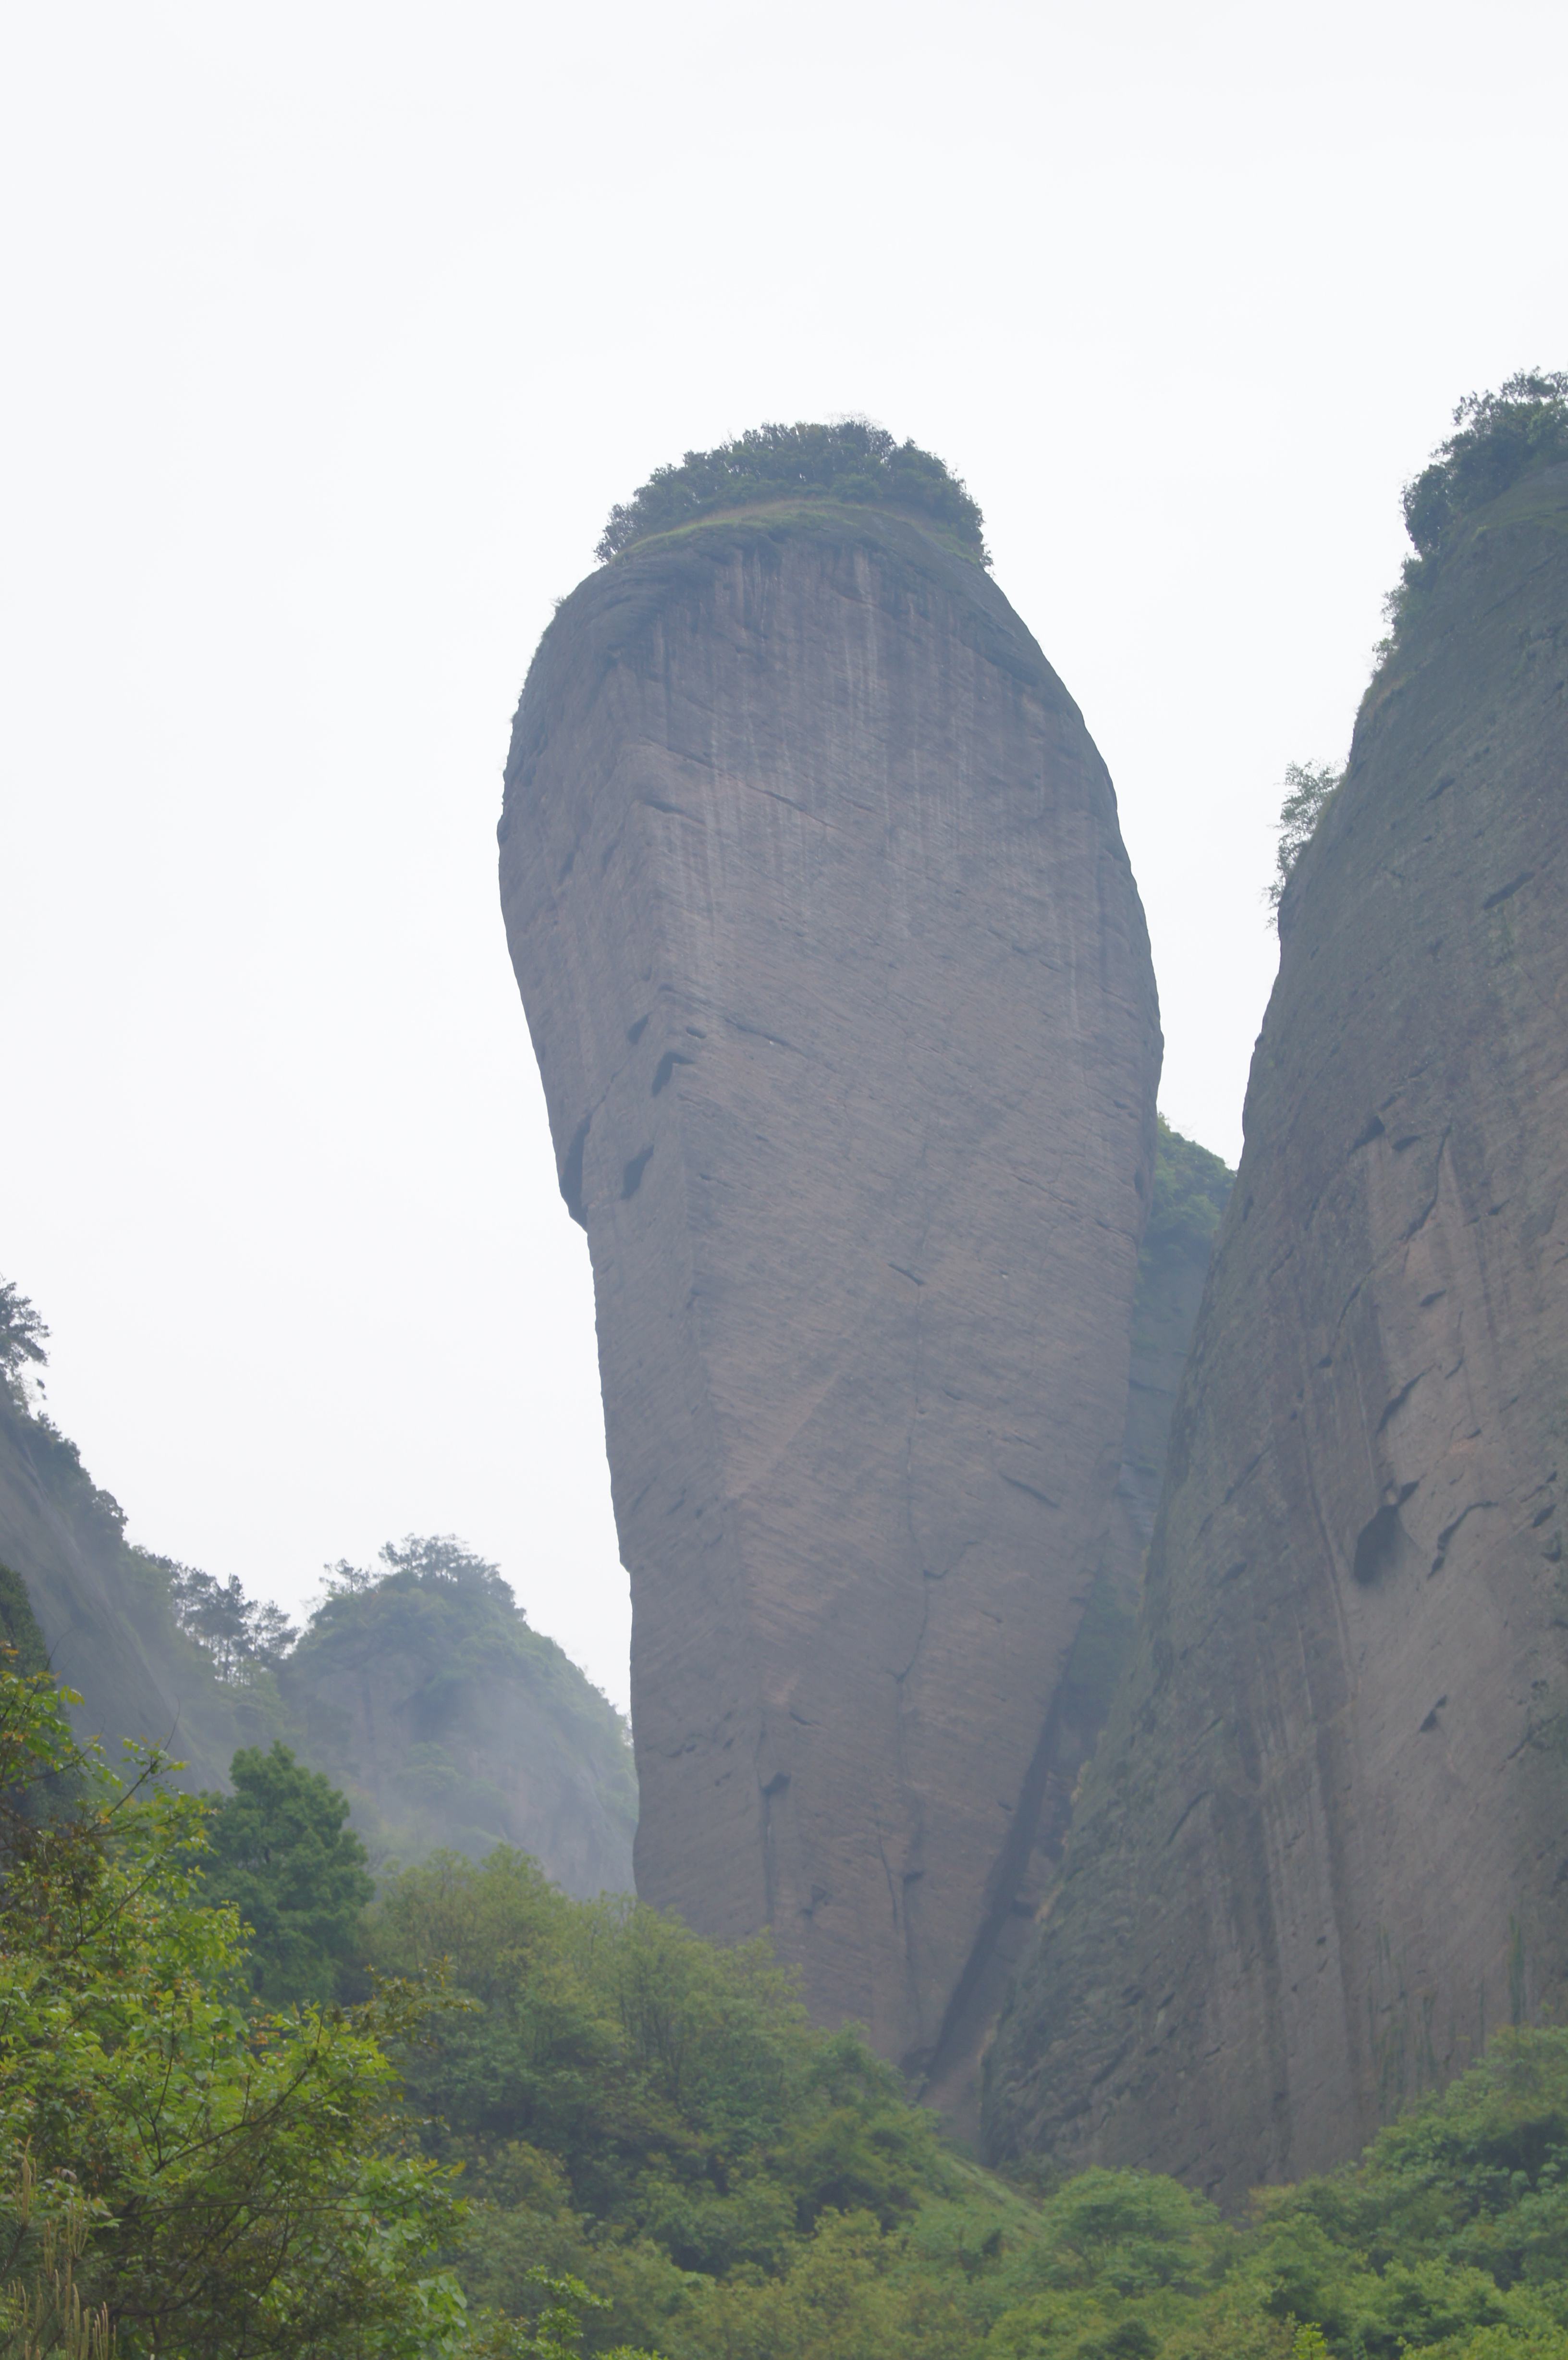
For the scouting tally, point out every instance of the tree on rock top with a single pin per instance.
(850, 460)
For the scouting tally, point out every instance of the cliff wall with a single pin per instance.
(840, 992)
(1322, 1851)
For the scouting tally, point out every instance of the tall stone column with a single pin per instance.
(841, 991)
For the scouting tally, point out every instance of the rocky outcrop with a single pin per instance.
(1321, 1852)
(841, 992)
(101, 1609)
(449, 1723)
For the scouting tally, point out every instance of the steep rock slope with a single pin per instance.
(840, 989)
(1322, 1851)
(447, 1722)
(102, 1608)
(1192, 1188)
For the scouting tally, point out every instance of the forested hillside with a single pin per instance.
(609, 2133)
(418, 1685)
(421, 1691)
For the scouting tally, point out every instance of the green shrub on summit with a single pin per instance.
(1498, 438)
(850, 460)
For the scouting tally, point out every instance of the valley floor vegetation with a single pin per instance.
(243, 2116)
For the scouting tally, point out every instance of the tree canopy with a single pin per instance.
(1308, 787)
(847, 460)
(656, 2116)
(180, 2174)
(1498, 438)
(653, 2140)
(280, 1852)
(22, 1332)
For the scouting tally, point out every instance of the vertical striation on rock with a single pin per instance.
(841, 992)
(1321, 1855)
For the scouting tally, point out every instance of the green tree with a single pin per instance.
(22, 1332)
(224, 2184)
(280, 1854)
(237, 1633)
(1498, 439)
(848, 460)
(1309, 786)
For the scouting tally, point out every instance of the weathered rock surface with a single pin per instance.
(1324, 1851)
(841, 992)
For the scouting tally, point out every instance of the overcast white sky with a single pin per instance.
(332, 332)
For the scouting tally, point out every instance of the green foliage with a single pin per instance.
(22, 1334)
(280, 1854)
(1498, 439)
(850, 460)
(1308, 786)
(1192, 1188)
(461, 1682)
(19, 1625)
(663, 2156)
(655, 2118)
(224, 2184)
(678, 2087)
(237, 1633)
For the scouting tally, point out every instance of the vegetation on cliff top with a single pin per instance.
(471, 1708)
(849, 460)
(1308, 788)
(1498, 438)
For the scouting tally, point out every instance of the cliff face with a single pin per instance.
(103, 1612)
(447, 1722)
(1322, 1851)
(840, 992)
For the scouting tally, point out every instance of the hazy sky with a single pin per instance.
(333, 331)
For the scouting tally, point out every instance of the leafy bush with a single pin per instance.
(1192, 1190)
(1307, 789)
(851, 460)
(238, 1634)
(279, 1853)
(22, 1332)
(657, 2146)
(1498, 438)
(656, 2118)
(201, 2182)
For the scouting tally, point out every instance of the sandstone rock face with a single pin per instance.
(1324, 1851)
(840, 987)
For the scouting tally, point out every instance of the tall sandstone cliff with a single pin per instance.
(1323, 1852)
(840, 987)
